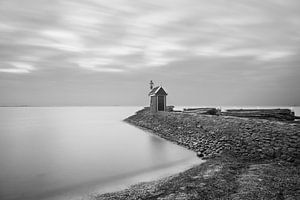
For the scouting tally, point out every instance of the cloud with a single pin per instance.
(62, 40)
(18, 67)
(53, 52)
(217, 50)
(97, 64)
(124, 35)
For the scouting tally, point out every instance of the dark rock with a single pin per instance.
(200, 154)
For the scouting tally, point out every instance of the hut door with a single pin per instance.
(161, 103)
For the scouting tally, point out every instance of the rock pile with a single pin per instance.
(211, 135)
(278, 114)
(208, 111)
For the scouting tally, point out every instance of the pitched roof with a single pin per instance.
(157, 91)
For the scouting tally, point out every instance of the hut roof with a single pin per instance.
(157, 91)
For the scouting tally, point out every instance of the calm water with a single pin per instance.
(70, 152)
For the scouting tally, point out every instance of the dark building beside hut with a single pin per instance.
(158, 98)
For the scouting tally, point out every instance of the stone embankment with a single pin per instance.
(271, 114)
(249, 158)
(210, 135)
(275, 114)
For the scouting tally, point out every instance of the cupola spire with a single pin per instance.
(151, 85)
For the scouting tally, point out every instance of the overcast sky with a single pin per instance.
(105, 52)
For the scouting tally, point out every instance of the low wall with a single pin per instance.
(276, 114)
(209, 136)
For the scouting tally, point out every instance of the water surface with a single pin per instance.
(70, 152)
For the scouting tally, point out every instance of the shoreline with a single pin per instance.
(246, 158)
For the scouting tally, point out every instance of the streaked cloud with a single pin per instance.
(17, 67)
(249, 43)
(103, 34)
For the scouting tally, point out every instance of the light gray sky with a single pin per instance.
(105, 52)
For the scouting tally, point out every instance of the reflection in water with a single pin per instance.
(55, 153)
(157, 150)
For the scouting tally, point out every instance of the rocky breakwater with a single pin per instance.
(272, 114)
(249, 158)
(211, 135)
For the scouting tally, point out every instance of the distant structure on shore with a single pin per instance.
(158, 98)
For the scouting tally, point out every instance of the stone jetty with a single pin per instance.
(275, 114)
(247, 158)
(212, 135)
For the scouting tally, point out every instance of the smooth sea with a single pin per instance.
(65, 153)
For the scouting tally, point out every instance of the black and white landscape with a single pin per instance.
(219, 120)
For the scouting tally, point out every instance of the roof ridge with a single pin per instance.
(156, 90)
